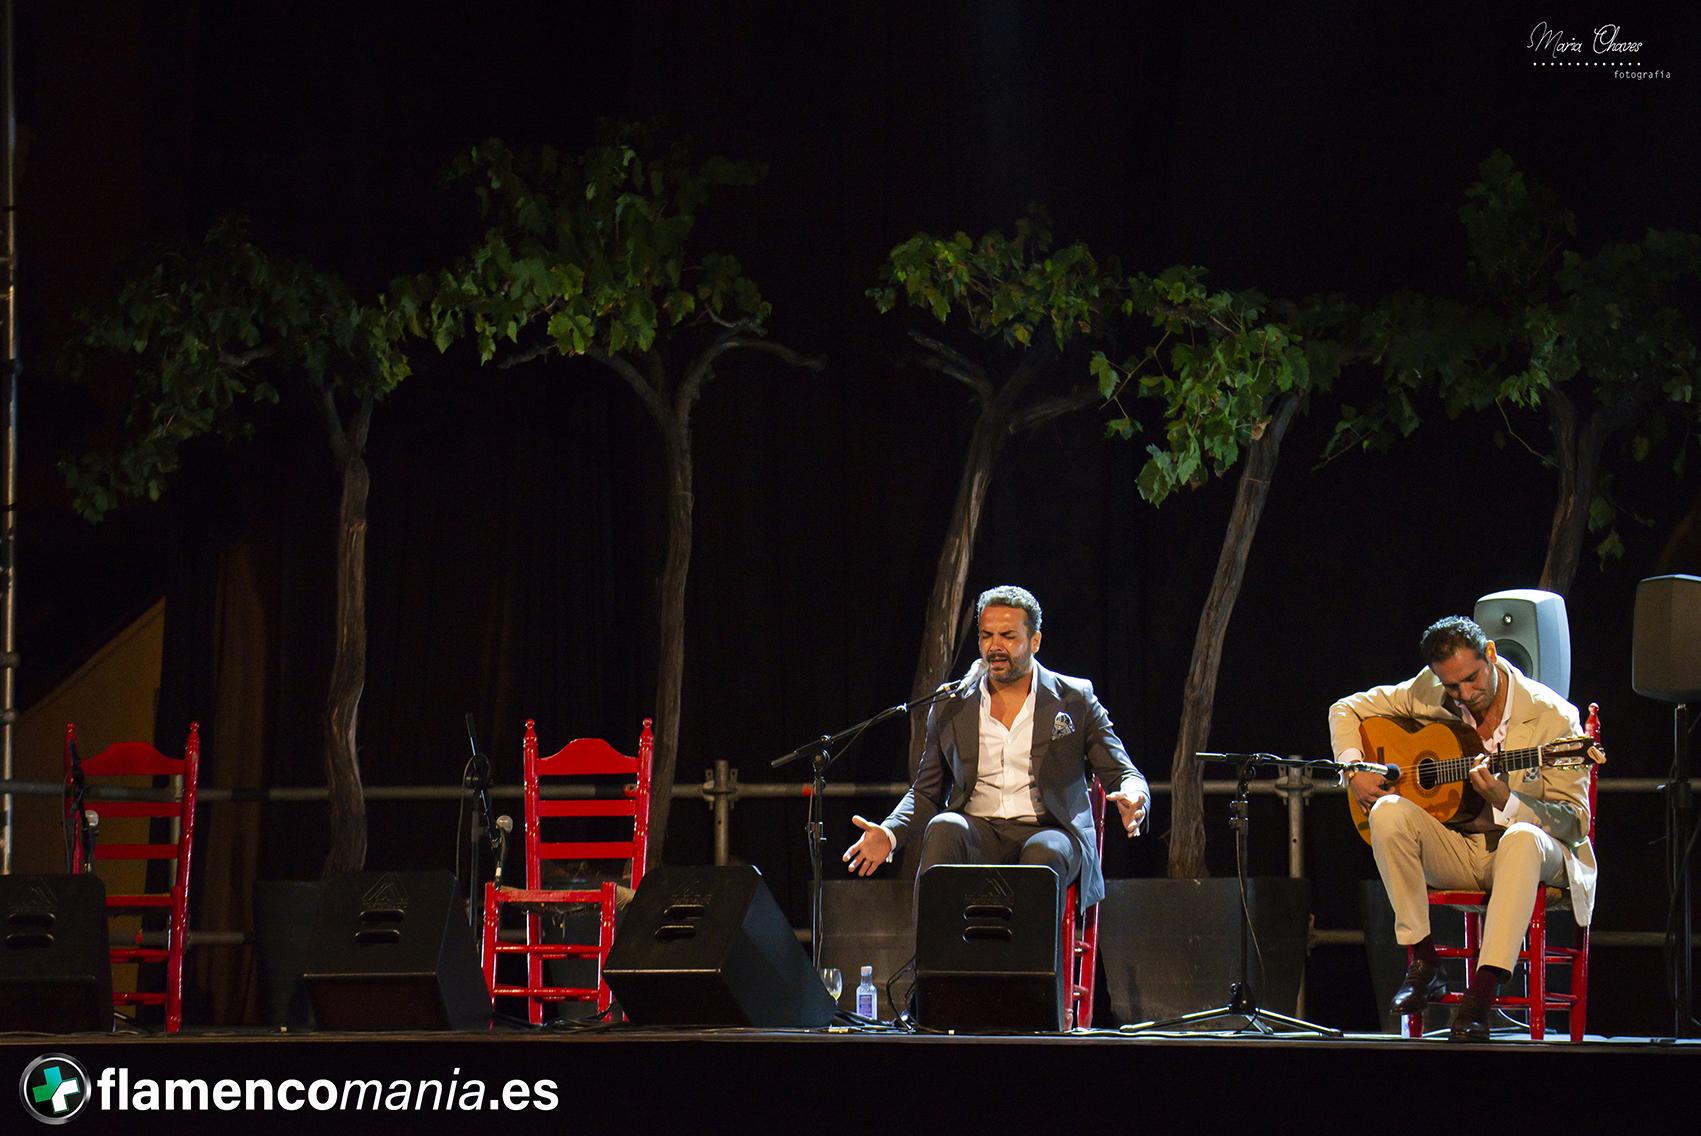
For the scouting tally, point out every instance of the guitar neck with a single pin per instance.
(1459, 768)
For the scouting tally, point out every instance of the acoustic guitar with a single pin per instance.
(1435, 760)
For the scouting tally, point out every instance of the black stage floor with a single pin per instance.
(880, 1082)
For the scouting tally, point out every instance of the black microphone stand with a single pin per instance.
(1242, 1003)
(478, 779)
(822, 752)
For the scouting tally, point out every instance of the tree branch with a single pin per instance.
(947, 361)
(526, 356)
(243, 358)
(362, 423)
(635, 379)
(734, 338)
(795, 358)
(1028, 366)
(334, 426)
(1046, 409)
(702, 366)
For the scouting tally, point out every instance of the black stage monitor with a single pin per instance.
(987, 948)
(710, 947)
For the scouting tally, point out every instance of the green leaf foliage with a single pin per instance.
(213, 330)
(1613, 332)
(1014, 287)
(590, 250)
(1219, 362)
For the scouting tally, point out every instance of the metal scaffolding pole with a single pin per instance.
(9, 514)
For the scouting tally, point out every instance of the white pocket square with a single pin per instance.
(1062, 725)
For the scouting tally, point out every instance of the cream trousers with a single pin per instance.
(1415, 852)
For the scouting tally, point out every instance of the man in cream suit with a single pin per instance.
(1533, 828)
(1003, 773)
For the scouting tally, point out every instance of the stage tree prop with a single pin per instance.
(1033, 302)
(1602, 346)
(587, 255)
(1228, 371)
(216, 331)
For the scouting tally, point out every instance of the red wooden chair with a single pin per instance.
(1083, 943)
(585, 757)
(1539, 998)
(139, 759)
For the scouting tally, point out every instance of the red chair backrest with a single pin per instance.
(1095, 790)
(139, 759)
(587, 757)
(1593, 728)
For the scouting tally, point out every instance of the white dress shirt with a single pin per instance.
(1004, 781)
(1515, 809)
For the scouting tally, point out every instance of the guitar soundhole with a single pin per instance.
(1426, 777)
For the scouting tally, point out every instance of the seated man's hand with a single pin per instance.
(1492, 788)
(870, 851)
(1366, 788)
(1132, 807)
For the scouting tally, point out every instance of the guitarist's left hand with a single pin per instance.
(1492, 788)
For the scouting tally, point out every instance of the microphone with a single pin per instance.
(91, 835)
(966, 685)
(1386, 772)
(504, 826)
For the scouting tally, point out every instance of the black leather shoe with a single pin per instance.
(1423, 983)
(1470, 1020)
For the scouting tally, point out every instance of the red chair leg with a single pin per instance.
(1068, 956)
(605, 940)
(174, 974)
(1536, 964)
(492, 920)
(1089, 967)
(534, 968)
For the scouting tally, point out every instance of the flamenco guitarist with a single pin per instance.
(1533, 828)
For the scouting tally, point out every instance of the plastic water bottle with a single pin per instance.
(867, 997)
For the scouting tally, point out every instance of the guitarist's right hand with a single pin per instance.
(1366, 787)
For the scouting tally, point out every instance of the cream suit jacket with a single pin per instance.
(1557, 799)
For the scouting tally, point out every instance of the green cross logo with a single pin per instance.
(54, 1087)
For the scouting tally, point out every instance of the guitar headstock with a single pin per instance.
(1573, 753)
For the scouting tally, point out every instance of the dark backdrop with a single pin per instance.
(516, 530)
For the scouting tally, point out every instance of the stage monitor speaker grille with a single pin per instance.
(710, 947)
(987, 951)
(1530, 631)
(1666, 655)
(55, 973)
(393, 951)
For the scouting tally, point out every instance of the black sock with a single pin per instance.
(1485, 983)
(1424, 951)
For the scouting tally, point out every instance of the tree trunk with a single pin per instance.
(1577, 451)
(940, 628)
(348, 670)
(1187, 794)
(676, 441)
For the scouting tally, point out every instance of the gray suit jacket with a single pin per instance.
(1072, 736)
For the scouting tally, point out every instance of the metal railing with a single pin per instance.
(721, 790)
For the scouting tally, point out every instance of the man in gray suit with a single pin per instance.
(1003, 774)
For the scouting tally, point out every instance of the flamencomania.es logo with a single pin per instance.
(54, 1087)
